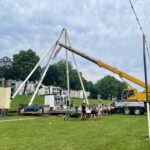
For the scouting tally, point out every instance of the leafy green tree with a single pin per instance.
(23, 63)
(56, 75)
(52, 76)
(109, 87)
(5, 67)
(89, 86)
(121, 87)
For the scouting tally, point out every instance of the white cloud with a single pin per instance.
(104, 29)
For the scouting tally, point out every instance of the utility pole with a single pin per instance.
(146, 86)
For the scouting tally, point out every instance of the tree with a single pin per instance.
(56, 75)
(109, 87)
(52, 76)
(121, 87)
(5, 67)
(89, 86)
(23, 63)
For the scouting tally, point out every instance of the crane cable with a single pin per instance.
(137, 19)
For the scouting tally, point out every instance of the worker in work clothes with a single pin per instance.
(83, 115)
(99, 112)
(3, 112)
(94, 111)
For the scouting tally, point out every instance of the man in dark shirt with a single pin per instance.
(83, 115)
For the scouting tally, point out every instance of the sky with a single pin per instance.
(104, 29)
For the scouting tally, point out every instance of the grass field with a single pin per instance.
(112, 132)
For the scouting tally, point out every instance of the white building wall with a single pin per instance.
(78, 94)
(46, 90)
(29, 89)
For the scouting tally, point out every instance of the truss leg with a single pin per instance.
(39, 62)
(43, 75)
(80, 78)
(67, 69)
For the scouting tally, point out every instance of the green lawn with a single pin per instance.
(91, 101)
(113, 132)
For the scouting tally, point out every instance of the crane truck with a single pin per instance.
(133, 102)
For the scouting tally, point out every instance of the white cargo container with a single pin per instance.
(5, 95)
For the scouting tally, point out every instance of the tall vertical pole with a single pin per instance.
(146, 86)
(80, 78)
(67, 68)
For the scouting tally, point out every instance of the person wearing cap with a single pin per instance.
(83, 115)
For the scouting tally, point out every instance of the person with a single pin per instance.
(66, 116)
(71, 105)
(103, 109)
(99, 113)
(61, 106)
(94, 111)
(3, 112)
(67, 102)
(83, 115)
(109, 108)
(76, 108)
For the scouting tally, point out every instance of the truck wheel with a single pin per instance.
(137, 111)
(127, 111)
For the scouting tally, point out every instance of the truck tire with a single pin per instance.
(137, 111)
(127, 111)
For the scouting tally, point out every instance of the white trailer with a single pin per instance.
(56, 101)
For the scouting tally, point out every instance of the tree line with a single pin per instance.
(22, 63)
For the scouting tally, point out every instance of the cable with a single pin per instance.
(147, 50)
(140, 28)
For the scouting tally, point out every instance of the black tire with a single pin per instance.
(138, 111)
(127, 111)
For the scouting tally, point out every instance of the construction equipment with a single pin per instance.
(52, 101)
(52, 53)
(131, 94)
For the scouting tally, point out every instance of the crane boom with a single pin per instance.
(106, 66)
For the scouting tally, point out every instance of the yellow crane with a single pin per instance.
(130, 94)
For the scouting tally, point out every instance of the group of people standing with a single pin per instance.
(97, 110)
